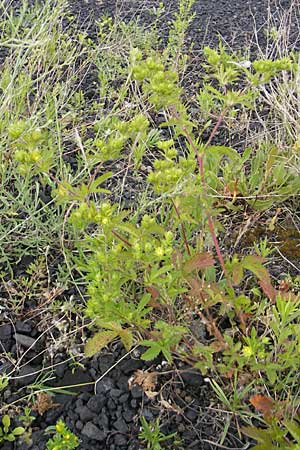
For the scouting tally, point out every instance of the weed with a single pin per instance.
(151, 269)
(152, 436)
(63, 439)
(7, 433)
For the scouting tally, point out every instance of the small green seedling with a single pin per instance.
(152, 436)
(7, 433)
(26, 418)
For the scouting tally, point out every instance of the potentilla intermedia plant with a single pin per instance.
(149, 274)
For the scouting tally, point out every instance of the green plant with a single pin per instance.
(149, 273)
(151, 435)
(153, 266)
(7, 433)
(178, 28)
(26, 417)
(263, 248)
(4, 380)
(135, 255)
(283, 434)
(63, 439)
(232, 399)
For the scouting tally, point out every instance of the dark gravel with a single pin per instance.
(104, 410)
(233, 21)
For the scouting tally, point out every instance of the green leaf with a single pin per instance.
(221, 150)
(18, 431)
(157, 273)
(167, 354)
(271, 374)
(126, 336)
(98, 342)
(144, 302)
(10, 437)
(6, 422)
(254, 264)
(261, 205)
(258, 434)
(152, 352)
(99, 180)
(294, 429)
(246, 154)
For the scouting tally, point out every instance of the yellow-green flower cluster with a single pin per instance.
(168, 172)
(84, 215)
(149, 248)
(110, 148)
(160, 84)
(104, 215)
(30, 152)
(266, 69)
(117, 134)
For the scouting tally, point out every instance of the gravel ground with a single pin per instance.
(234, 21)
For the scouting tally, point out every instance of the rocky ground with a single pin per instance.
(233, 21)
(105, 416)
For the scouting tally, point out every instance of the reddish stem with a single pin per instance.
(216, 127)
(182, 229)
(200, 162)
(118, 236)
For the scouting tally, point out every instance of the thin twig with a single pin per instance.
(182, 229)
(287, 260)
(224, 446)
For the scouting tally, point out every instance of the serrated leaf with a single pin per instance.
(198, 262)
(167, 355)
(237, 273)
(98, 342)
(152, 352)
(221, 150)
(254, 264)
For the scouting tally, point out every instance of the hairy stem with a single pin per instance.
(121, 238)
(183, 230)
